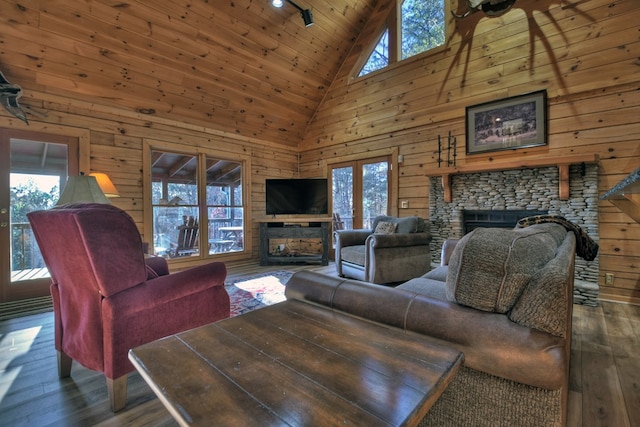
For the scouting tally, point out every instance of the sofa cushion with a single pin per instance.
(438, 273)
(427, 287)
(353, 254)
(490, 267)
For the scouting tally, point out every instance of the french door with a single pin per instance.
(33, 168)
(361, 190)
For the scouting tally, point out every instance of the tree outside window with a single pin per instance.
(422, 26)
(29, 193)
(379, 58)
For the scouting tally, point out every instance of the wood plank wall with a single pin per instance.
(115, 147)
(584, 53)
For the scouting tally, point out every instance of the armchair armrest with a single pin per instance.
(492, 343)
(168, 288)
(398, 240)
(352, 237)
(447, 250)
(156, 266)
(160, 307)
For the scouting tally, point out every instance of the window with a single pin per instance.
(379, 58)
(197, 203)
(420, 28)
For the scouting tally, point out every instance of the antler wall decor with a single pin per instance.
(9, 94)
(449, 145)
(489, 7)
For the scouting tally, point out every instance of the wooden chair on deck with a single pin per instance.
(338, 224)
(187, 238)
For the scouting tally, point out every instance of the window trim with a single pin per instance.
(149, 145)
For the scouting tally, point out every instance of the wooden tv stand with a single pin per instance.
(294, 228)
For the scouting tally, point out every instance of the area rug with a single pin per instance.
(256, 291)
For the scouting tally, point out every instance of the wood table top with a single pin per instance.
(297, 364)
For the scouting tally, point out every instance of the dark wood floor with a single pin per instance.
(604, 388)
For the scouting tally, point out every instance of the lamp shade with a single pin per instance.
(105, 184)
(82, 188)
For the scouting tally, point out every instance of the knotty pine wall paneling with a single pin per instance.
(584, 53)
(115, 147)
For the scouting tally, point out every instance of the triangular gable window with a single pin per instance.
(379, 58)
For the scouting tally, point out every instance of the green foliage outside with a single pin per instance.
(379, 58)
(24, 198)
(422, 26)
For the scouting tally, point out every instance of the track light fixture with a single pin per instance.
(306, 13)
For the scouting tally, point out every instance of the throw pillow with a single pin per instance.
(382, 218)
(384, 227)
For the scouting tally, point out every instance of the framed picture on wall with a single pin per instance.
(508, 124)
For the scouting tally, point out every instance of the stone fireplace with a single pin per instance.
(531, 189)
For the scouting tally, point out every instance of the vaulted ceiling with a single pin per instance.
(240, 66)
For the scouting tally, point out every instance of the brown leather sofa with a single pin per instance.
(506, 304)
(395, 255)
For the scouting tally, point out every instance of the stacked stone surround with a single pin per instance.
(585, 293)
(528, 189)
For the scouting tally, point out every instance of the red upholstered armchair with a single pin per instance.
(107, 299)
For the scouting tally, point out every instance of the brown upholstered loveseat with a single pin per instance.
(506, 305)
(395, 255)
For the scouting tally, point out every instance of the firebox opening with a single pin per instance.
(475, 218)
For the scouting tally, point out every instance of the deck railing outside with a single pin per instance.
(26, 259)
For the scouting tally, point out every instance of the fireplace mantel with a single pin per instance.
(562, 163)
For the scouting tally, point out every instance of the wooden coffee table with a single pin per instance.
(296, 364)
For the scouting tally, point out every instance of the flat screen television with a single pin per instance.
(302, 196)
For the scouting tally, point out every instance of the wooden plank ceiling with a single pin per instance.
(240, 66)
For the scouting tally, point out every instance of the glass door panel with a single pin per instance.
(375, 191)
(34, 168)
(342, 195)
